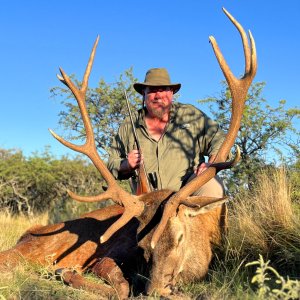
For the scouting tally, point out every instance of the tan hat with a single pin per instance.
(156, 77)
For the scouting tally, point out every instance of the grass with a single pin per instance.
(259, 259)
(35, 282)
(30, 281)
(12, 227)
(266, 223)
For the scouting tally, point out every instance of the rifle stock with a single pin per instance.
(143, 185)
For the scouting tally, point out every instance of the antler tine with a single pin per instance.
(133, 207)
(97, 198)
(253, 68)
(247, 51)
(89, 67)
(127, 215)
(228, 164)
(238, 89)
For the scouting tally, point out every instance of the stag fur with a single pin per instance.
(75, 245)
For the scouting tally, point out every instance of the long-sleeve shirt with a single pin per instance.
(189, 136)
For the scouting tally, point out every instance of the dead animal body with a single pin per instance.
(74, 246)
(165, 235)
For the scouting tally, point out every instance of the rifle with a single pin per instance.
(143, 185)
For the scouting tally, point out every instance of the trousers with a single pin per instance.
(213, 188)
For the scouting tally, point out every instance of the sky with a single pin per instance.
(38, 37)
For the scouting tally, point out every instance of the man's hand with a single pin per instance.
(201, 168)
(134, 159)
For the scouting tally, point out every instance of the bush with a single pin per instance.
(39, 183)
(271, 285)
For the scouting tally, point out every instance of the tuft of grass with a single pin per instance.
(265, 222)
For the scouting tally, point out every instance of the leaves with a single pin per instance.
(266, 275)
(267, 134)
(39, 183)
(106, 106)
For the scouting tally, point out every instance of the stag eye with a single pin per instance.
(180, 238)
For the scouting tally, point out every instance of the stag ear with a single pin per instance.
(202, 209)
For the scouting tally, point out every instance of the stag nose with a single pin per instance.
(162, 292)
(162, 287)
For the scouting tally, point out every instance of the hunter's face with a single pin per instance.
(158, 100)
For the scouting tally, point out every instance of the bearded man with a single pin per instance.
(175, 138)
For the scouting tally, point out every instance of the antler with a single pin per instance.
(133, 207)
(238, 89)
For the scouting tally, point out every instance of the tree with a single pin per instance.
(106, 106)
(39, 183)
(267, 134)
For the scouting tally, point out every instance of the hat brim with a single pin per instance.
(139, 87)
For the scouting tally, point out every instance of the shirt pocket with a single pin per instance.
(187, 140)
(181, 146)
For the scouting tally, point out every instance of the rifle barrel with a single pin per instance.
(132, 124)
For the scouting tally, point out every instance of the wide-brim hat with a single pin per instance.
(157, 77)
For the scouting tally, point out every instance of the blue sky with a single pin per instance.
(37, 37)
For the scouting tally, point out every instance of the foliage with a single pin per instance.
(39, 183)
(106, 106)
(284, 288)
(267, 134)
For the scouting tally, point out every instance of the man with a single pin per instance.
(174, 138)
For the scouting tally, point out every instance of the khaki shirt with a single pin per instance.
(189, 136)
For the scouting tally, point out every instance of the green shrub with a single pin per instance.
(271, 285)
(39, 183)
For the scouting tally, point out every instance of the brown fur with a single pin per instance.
(182, 254)
(184, 251)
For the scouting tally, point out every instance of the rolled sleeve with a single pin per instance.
(122, 143)
(116, 156)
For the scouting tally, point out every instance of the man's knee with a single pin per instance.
(213, 188)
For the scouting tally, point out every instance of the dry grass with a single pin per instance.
(265, 217)
(12, 227)
(262, 222)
